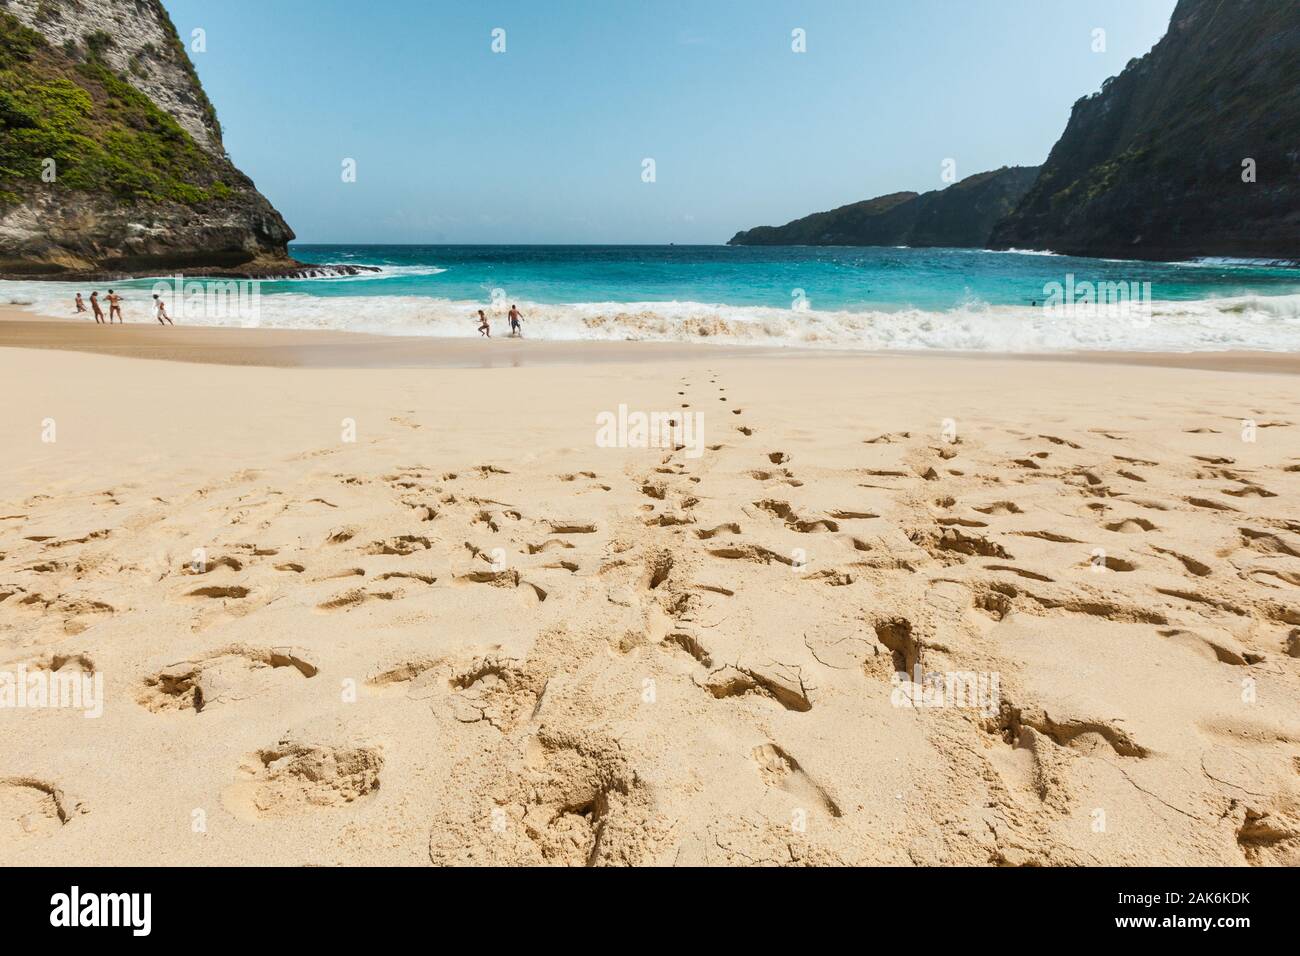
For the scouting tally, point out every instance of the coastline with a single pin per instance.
(310, 348)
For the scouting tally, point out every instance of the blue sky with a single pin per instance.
(544, 143)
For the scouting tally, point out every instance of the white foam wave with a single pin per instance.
(385, 272)
(1231, 263)
(1246, 322)
(1021, 252)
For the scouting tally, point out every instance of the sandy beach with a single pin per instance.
(355, 600)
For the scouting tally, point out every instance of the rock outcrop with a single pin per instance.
(962, 215)
(111, 160)
(1193, 150)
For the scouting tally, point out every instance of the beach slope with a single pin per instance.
(390, 615)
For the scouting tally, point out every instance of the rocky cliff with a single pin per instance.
(961, 215)
(1156, 165)
(111, 158)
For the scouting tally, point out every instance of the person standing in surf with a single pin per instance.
(94, 304)
(162, 312)
(515, 317)
(483, 328)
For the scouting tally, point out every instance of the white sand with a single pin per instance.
(350, 672)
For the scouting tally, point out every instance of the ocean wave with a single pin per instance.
(1021, 252)
(1231, 263)
(385, 272)
(1255, 322)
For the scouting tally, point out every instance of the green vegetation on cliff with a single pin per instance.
(1193, 150)
(103, 134)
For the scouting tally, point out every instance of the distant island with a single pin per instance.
(1190, 151)
(962, 215)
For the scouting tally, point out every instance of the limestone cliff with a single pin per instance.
(111, 158)
(1159, 164)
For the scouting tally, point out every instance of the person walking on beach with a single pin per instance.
(94, 304)
(81, 305)
(162, 312)
(515, 317)
(483, 328)
(114, 307)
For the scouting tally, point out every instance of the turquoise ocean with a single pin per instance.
(820, 297)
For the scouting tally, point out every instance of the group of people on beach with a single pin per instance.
(515, 316)
(114, 300)
(115, 308)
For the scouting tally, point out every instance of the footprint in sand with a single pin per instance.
(691, 645)
(210, 565)
(414, 676)
(233, 592)
(1084, 734)
(1249, 491)
(785, 685)
(781, 771)
(355, 598)
(1109, 562)
(34, 808)
(1131, 526)
(1210, 505)
(499, 691)
(401, 545)
(570, 526)
(1022, 572)
(730, 527)
(1190, 564)
(229, 674)
(573, 799)
(794, 521)
(293, 777)
(64, 662)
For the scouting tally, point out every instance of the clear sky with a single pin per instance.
(545, 142)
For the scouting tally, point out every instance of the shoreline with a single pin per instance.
(313, 348)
